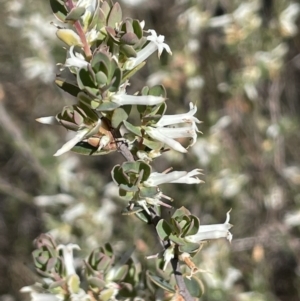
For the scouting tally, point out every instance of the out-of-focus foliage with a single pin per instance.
(239, 61)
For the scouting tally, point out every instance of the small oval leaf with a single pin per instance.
(115, 15)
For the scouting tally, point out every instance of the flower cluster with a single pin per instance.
(104, 50)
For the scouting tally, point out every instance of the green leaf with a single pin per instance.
(84, 148)
(176, 227)
(185, 224)
(127, 25)
(115, 15)
(68, 87)
(51, 264)
(112, 34)
(194, 286)
(158, 90)
(158, 110)
(84, 99)
(148, 192)
(76, 13)
(137, 28)
(128, 51)
(177, 240)
(107, 106)
(118, 176)
(96, 282)
(101, 79)
(133, 129)
(181, 212)
(145, 90)
(129, 73)
(108, 250)
(116, 80)
(99, 19)
(121, 273)
(161, 282)
(101, 62)
(70, 37)
(107, 294)
(163, 229)
(105, 9)
(136, 167)
(129, 38)
(153, 144)
(120, 115)
(194, 225)
(59, 9)
(85, 79)
(143, 216)
(189, 247)
(129, 187)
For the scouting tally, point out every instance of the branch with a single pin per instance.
(124, 150)
(182, 289)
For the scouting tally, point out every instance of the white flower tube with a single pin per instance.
(67, 251)
(167, 135)
(179, 118)
(48, 120)
(71, 143)
(156, 43)
(148, 100)
(75, 59)
(208, 232)
(182, 177)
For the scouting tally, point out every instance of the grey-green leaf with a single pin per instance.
(115, 15)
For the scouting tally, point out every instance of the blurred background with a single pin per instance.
(239, 62)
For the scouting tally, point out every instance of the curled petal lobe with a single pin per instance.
(67, 251)
(156, 43)
(75, 59)
(179, 118)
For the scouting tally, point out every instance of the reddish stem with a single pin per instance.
(79, 29)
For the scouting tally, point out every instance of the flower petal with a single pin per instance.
(71, 143)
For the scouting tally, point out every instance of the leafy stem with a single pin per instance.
(80, 31)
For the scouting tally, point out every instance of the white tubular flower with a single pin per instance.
(182, 177)
(180, 118)
(209, 232)
(48, 120)
(71, 143)
(167, 135)
(68, 257)
(92, 35)
(75, 59)
(148, 100)
(288, 19)
(156, 43)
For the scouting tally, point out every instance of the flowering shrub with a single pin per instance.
(104, 50)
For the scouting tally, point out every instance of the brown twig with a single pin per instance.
(182, 289)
